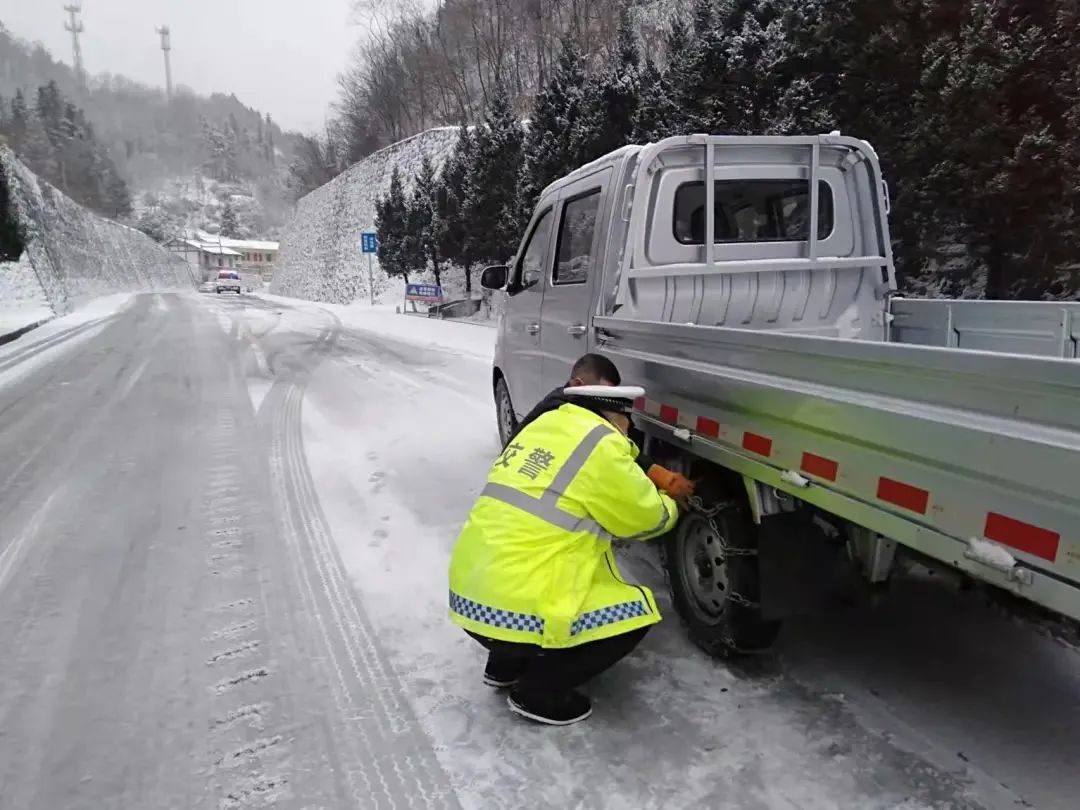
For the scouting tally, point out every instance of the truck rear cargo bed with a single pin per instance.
(929, 446)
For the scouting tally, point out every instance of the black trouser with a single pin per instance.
(550, 673)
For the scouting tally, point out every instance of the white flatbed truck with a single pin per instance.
(829, 420)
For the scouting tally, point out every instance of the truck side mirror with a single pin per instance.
(494, 277)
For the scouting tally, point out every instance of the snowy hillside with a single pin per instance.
(75, 254)
(320, 257)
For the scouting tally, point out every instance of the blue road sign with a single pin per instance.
(369, 242)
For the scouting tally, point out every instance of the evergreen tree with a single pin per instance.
(661, 112)
(424, 222)
(556, 138)
(154, 220)
(491, 207)
(11, 243)
(991, 178)
(451, 193)
(229, 227)
(819, 39)
(656, 113)
(20, 119)
(391, 224)
(37, 151)
(753, 51)
(613, 97)
(1064, 46)
(117, 197)
(221, 152)
(271, 152)
(699, 74)
(50, 112)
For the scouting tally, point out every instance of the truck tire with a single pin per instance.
(504, 411)
(705, 585)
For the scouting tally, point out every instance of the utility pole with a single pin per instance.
(76, 28)
(166, 46)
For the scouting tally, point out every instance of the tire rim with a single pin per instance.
(702, 569)
(506, 414)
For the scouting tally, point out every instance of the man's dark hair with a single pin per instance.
(598, 366)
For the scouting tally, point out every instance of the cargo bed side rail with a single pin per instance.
(934, 449)
(1042, 328)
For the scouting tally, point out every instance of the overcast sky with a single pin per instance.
(279, 56)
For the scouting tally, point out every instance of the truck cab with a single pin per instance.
(603, 240)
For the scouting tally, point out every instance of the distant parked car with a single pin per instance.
(229, 280)
(208, 287)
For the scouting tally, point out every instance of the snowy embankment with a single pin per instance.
(22, 299)
(320, 258)
(69, 256)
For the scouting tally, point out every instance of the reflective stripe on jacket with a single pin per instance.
(533, 562)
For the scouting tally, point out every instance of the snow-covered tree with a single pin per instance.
(228, 221)
(657, 115)
(451, 194)
(424, 223)
(154, 219)
(491, 210)
(391, 224)
(557, 134)
(613, 96)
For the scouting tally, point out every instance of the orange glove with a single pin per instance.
(674, 484)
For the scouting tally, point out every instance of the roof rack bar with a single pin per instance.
(815, 161)
(726, 267)
(710, 203)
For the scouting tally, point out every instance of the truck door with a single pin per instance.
(567, 308)
(521, 323)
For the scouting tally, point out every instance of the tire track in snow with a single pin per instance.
(246, 770)
(392, 762)
(416, 766)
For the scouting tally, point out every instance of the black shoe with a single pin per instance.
(560, 711)
(501, 675)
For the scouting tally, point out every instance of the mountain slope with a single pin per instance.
(151, 140)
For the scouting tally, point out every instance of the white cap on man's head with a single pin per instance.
(618, 398)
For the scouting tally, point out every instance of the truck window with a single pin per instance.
(752, 211)
(535, 258)
(576, 239)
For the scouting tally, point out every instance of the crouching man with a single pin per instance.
(533, 578)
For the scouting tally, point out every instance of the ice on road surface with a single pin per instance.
(225, 524)
(400, 430)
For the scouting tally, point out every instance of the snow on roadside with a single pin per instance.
(399, 432)
(462, 337)
(97, 309)
(22, 299)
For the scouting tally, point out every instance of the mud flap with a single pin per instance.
(798, 565)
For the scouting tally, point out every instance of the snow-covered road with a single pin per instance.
(224, 531)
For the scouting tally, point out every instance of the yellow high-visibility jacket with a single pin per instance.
(533, 562)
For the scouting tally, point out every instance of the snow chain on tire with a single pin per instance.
(709, 513)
